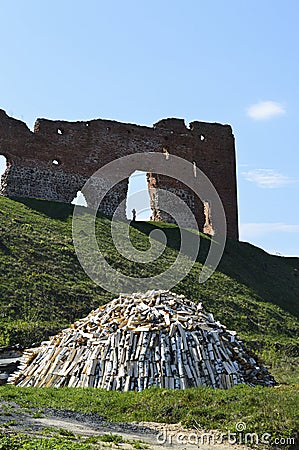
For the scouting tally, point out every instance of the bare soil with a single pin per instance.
(157, 436)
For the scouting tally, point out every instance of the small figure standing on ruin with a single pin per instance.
(134, 214)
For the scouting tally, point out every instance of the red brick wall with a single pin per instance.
(80, 148)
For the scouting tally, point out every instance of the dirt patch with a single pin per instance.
(156, 436)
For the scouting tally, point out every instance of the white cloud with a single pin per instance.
(265, 110)
(252, 230)
(267, 178)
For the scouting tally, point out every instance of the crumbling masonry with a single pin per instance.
(55, 161)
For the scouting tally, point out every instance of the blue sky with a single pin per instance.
(231, 62)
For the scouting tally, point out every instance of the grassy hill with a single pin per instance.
(43, 287)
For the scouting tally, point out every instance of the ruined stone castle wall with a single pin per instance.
(55, 160)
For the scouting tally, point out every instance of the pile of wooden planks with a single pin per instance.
(157, 338)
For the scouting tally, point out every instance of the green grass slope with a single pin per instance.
(43, 287)
(272, 411)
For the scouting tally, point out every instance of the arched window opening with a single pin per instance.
(79, 199)
(138, 197)
(3, 164)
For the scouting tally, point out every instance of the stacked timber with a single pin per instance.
(136, 341)
(9, 361)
